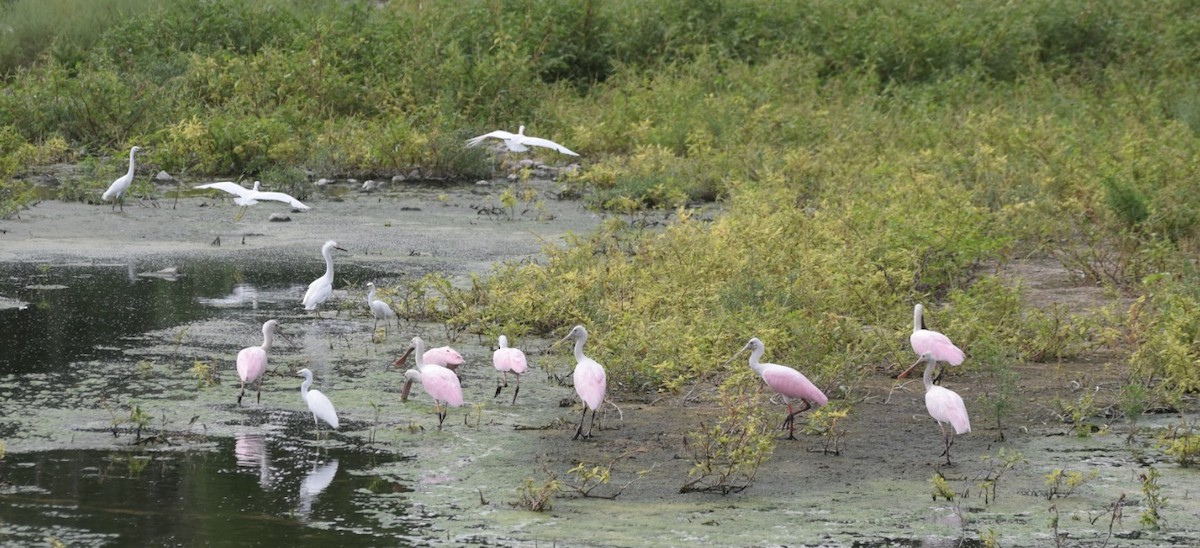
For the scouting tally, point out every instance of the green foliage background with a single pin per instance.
(868, 155)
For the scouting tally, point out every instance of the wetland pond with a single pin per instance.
(120, 426)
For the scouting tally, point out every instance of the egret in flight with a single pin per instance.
(519, 142)
(247, 197)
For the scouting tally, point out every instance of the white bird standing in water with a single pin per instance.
(322, 287)
(247, 197)
(320, 405)
(116, 190)
(379, 309)
(519, 142)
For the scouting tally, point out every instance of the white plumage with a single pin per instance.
(519, 142)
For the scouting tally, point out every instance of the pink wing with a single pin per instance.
(251, 363)
(943, 350)
(442, 384)
(590, 383)
(443, 356)
(509, 359)
(945, 405)
(790, 383)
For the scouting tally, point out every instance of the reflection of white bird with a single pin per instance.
(314, 484)
(118, 187)
(247, 197)
(242, 294)
(519, 142)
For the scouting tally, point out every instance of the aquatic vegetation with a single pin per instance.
(535, 497)
(823, 421)
(726, 455)
(1062, 483)
(1155, 501)
(1182, 443)
(1003, 462)
(941, 488)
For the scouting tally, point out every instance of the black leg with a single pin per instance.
(579, 430)
(516, 391)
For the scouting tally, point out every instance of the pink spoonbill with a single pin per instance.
(926, 340)
(322, 287)
(322, 409)
(441, 383)
(944, 405)
(252, 360)
(787, 382)
(443, 355)
(509, 360)
(590, 380)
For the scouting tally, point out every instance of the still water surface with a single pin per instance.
(270, 485)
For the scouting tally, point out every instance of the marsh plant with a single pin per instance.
(537, 496)
(587, 477)
(997, 466)
(1182, 443)
(1154, 500)
(727, 451)
(1062, 483)
(823, 422)
(941, 488)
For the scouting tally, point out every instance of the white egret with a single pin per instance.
(247, 197)
(519, 142)
(118, 187)
(322, 287)
(379, 309)
(320, 405)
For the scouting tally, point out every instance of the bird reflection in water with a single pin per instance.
(242, 294)
(314, 483)
(251, 452)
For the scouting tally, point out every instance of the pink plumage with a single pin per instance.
(792, 384)
(444, 356)
(590, 380)
(926, 340)
(251, 363)
(442, 384)
(439, 382)
(945, 405)
(252, 360)
(506, 359)
(788, 383)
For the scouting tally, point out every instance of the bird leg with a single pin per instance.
(241, 213)
(258, 393)
(948, 438)
(790, 421)
(517, 391)
(592, 424)
(502, 384)
(937, 379)
(579, 430)
(437, 406)
(242, 393)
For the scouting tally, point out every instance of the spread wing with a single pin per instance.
(232, 188)
(281, 197)
(498, 134)
(546, 143)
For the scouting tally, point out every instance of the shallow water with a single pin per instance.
(251, 489)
